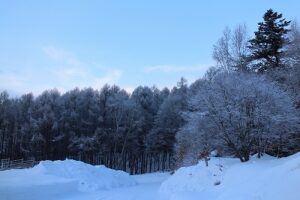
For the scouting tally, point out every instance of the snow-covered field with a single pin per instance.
(267, 178)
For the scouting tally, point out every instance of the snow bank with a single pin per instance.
(226, 178)
(51, 179)
(89, 177)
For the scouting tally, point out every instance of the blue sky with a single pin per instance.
(67, 43)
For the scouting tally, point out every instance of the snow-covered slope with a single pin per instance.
(267, 178)
(59, 178)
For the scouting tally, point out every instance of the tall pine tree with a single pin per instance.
(266, 46)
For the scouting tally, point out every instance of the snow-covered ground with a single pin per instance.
(146, 189)
(74, 180)
(267, 178)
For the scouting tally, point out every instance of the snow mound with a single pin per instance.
(197, 178)
(226, 178)
(57, 179)
(88, 177)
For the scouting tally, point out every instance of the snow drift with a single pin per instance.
(89, 177)
(226, 178)
(58, 178)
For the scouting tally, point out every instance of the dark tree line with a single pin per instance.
(107, 127)
(248, 103)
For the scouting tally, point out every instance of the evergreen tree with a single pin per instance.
(266, 46)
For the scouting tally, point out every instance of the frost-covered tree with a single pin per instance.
(6, 119)
(244, 113)
(117, 107)
(44, 121)
(82, 119)
(231, 52)
(292, 54)
(143, 98)
(26, 104)
(168, 120)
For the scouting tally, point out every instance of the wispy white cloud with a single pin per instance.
(110, 77)
(20, 83)
(72, 72)
(60, 69)
(61, 55)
